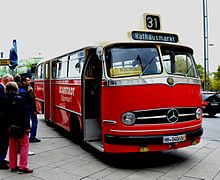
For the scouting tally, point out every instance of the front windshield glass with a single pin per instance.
(124, 61)
(179, 61)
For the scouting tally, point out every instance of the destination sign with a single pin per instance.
(154, 36)
(4, 62)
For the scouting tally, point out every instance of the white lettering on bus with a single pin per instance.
(40, 88)
(66, 90)
(66, 98)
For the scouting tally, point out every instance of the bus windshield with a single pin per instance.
(124, 61)
(179, 61)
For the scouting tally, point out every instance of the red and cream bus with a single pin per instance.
(136, 96)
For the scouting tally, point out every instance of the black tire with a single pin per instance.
(75, 130)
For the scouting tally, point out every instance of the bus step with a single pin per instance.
(96, 144)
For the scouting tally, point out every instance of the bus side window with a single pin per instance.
(62, 67)
(75, 66)
(40, 73)
(54, 69)
(58, 69)
(47, 71)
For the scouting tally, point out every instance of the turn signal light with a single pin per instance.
(144, 149)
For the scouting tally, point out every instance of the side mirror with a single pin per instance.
(99, 53)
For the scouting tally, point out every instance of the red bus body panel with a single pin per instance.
(47, 92)
(66, 98)
(39, 93)
(117, 100)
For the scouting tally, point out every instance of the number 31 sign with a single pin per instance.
(152, 21)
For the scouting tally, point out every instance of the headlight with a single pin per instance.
(198, 113)
(128, 118)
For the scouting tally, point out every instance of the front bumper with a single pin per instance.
(148, 140)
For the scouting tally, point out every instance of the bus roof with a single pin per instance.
(105, 44)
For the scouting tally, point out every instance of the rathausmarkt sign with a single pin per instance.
(154, 36)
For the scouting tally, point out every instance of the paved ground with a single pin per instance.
(58, 158)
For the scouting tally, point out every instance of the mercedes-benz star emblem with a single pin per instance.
(172, 115)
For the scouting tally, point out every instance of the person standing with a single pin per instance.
(17, 79)
(4, 139)
(34, 119)
(19, 128)
(26, 91)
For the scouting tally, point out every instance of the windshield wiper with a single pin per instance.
(148, 65)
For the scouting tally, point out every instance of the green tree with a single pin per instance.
(3, 71)
(209, 80)
(216, 80)
(201, 73)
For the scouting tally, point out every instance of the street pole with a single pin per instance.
(206, 41)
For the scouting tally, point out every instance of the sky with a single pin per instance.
(49, 28)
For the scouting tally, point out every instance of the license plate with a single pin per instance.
(173, 139)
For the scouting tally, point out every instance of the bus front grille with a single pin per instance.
(166, 115)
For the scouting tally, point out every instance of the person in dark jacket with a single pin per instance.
(17, 79)
(18, 119)
(26, 91)
(3, 123)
